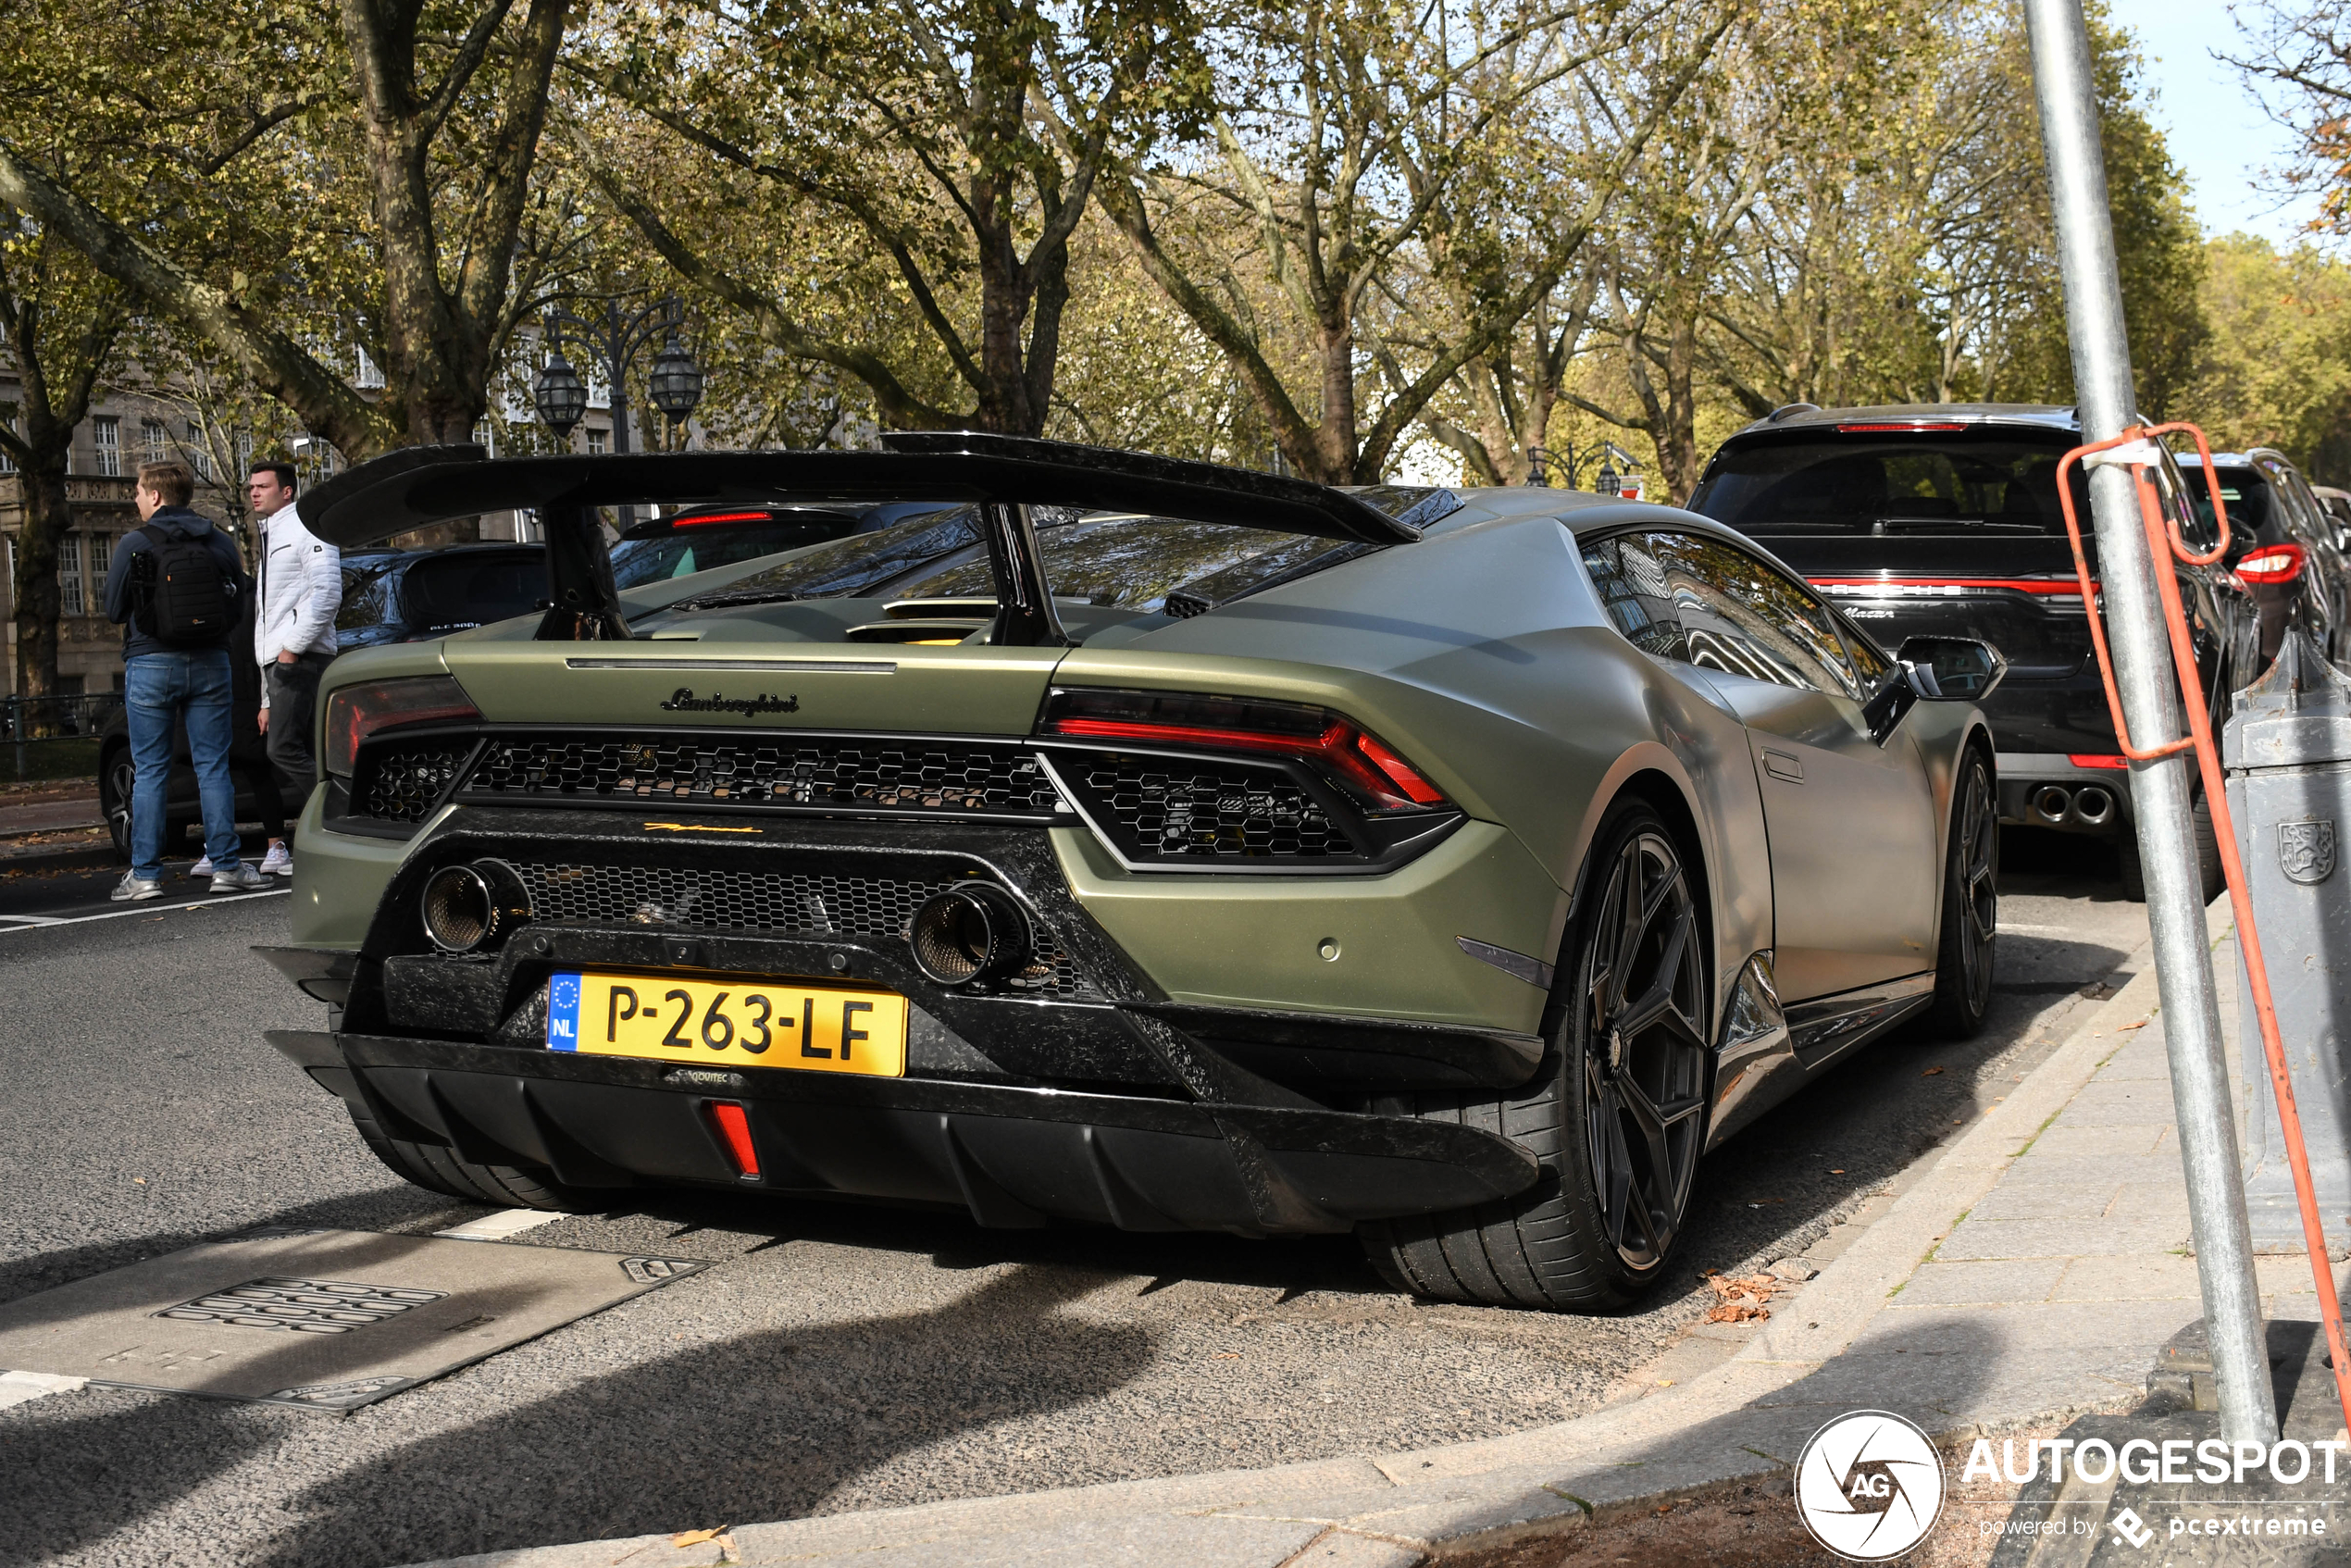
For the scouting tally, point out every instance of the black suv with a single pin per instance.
(2300, 573)
(1943, 519)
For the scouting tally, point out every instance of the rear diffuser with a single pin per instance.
(325, 1320)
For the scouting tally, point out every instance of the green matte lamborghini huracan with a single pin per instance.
(1096, 837)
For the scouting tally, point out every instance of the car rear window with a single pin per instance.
(461, 590)
(2243, 490)
(1119, 560)
(665, 549)
(1880, 484)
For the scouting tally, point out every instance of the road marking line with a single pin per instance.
(145, 907)
(500, 1225)
(18, 1387)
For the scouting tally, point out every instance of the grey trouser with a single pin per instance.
(293, 703)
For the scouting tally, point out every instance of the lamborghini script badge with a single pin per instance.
(683, 701)
(2306, 850)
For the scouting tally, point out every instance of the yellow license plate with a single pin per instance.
(757, 1024)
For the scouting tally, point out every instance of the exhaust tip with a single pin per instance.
(469, 907)
(969, 933)
(2092, 806)
(2051, 803)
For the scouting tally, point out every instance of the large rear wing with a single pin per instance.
(1003, 475)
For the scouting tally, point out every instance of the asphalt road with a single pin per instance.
(836, 1357)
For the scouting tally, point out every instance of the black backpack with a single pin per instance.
(186, 598)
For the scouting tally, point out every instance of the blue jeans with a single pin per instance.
(155, 689)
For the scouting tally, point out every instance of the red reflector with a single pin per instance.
(2086, 759)
(1399, 772)
(1897, 584)
(1906, 425)
(719, 517)
(734, 1131)
(2272, 562)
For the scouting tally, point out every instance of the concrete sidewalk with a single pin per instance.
(2029, 1275)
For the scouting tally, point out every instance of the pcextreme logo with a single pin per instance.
(1869, 1485)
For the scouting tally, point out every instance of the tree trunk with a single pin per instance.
(47, 519)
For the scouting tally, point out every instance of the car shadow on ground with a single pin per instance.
(758, 1425)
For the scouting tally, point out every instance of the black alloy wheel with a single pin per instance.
(1644, 1053)
(1966, 956)
(1617, 1117)
(116, 773)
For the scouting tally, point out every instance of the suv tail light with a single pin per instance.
(1351, 756)
(354, 713)
(2271, 563)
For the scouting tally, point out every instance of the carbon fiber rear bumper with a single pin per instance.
(1009, 1155)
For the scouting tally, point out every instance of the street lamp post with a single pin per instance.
(613, 344)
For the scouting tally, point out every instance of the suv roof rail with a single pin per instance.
(1784, 410)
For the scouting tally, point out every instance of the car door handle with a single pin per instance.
(1779, 765)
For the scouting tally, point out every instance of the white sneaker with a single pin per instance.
(239, 879)
(202, 867)
(278, 862)
(136, 887)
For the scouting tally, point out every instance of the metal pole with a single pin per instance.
(2151, 702)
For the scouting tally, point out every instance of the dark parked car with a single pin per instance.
(1943, 519)
(401, 595)
(2284, 543)
(698, 538)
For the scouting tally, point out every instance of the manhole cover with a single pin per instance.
(324, 1320)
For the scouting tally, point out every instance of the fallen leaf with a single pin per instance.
(1741, 1300)
(2140, 1025)
(696, 1537)
(1837, 1170)
(1929, 1072)
(1225, 1355)
(1665, 1382)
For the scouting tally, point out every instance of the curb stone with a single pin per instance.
(1391, 1510)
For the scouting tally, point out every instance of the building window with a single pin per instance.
(106, 444)
(370, 376)
(599, 442)
(152, 441)
(70, 577)
(244, 454)
(101, 563)
(199, 454)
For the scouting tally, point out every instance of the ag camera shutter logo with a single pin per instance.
(1869, 1485)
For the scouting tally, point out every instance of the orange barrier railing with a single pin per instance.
(2163, 545)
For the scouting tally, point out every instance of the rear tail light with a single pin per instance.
(734, 1134)
(354, 713)
(1903, 425)
(2271, 563)
(719, 517)
(1353, 757)
(2093, 760)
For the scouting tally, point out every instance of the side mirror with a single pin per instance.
(1932, 669)
(1952, 669)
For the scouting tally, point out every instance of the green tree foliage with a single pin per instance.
(954, 147)
(2276, 370)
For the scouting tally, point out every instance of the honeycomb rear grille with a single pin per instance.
(1162, 809)
(402, 783)
(764, 904)
(948, 779)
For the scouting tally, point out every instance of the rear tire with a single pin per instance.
(1617, 1116)
(2210, 875)
(438, 1168)
(1970, 921)
(115, 774)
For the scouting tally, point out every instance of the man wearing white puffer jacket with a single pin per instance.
(298, 589)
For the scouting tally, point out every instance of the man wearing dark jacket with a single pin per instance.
(171, 674)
